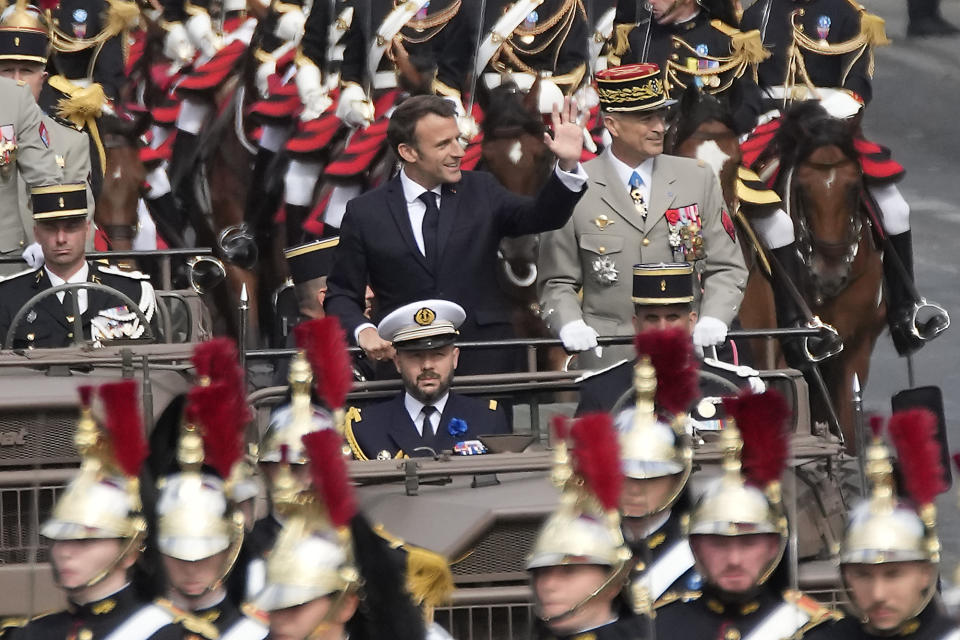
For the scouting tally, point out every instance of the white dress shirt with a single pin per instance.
(624, 171)
(416, 209)
(415, 410)
(79, 276)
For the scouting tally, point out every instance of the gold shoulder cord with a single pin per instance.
(872, 34)
(429, 26)
(747, 51)
(351, 438)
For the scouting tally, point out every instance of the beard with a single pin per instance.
(428, 396)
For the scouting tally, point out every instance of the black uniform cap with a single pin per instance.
(663, 283)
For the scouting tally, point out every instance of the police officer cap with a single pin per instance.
(59, 202)
(311, 260)
(663, 283)
(427, 324)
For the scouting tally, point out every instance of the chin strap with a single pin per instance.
(327, 622)
(617, 578)
(132, 543)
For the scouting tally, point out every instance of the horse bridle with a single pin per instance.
(811, 246)
(118, 231)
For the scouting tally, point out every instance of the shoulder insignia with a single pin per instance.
(724, 28)
(817, 612)
(591, 374)
(701, 163)
(112, 270)
(18, 274)
(621, 42)
(254, 613)
(188, 621)
(353, 415)
(10, 623)
(492, 405)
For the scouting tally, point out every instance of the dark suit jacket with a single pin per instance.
(387, 426)
(377, 246)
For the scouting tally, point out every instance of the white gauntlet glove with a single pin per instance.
(290, 26)
(176, 45)
(709, 332)
(312, 93)
(578, 336)
(264, 71)
(354, 108)
(200, 31)
(33, 255)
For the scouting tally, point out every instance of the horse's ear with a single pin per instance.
(531, 101)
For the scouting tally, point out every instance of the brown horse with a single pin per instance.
(116, 206)
(514, 152)
(820, 181)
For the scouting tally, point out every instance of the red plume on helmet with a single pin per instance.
(762, 421)
(331, 482)
(219, 409)
(325, 345)
(124, 425)
(671, 354)
(596, 457)
(914, 434)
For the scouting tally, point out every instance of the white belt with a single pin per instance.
(509, 21)
(245, 629)
(384, 80)
(664, 572)
(143, 624)
(800, 92)
(783, 622)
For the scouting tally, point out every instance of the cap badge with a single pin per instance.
(424, 317)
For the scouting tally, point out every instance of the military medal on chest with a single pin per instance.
(823, 28)
(529, 24)
(686, 233)
(605, 271)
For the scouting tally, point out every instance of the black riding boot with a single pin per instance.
(908, 330)
(183, 157)
(170, 220)
(296, 215)
(790, 314)
(257, 194)
(926, 19)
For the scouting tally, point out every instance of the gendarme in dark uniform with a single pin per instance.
(398, 427)
(50, 323)
(706, 50)
(658, 285)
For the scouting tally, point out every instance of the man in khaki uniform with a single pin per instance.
(24, 148)
(24, 48)
(640, 207)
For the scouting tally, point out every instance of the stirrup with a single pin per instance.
(828, 337)
(928, 320)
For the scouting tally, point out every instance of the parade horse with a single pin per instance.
(819, 179)
(513, 151)
(116, 208)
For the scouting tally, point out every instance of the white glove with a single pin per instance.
(264, 71)
(550, 96)
(33, 254)
(353, 107)
(312, 93)
(578, 336)
(200, 31)
(290, 26)
(709, 332)
(176, 45)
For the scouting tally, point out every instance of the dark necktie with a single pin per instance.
(428, 412)
(431, 220)
(68, 305)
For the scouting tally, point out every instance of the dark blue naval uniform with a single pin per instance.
(833, 21)
(387, 427)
